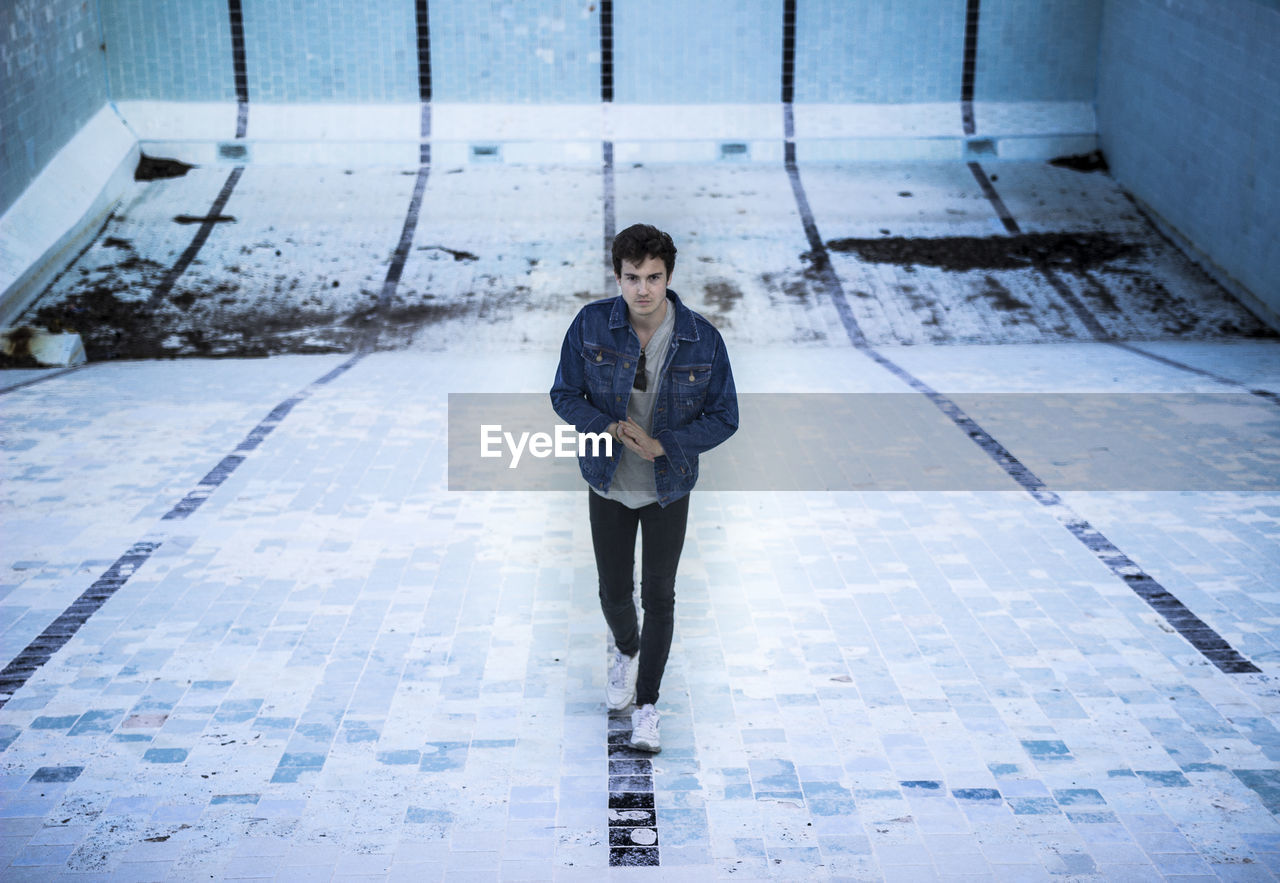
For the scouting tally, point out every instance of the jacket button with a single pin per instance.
(599, 357)
(626, 364)
(691, 377)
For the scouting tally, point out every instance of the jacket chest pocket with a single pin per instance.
(599, 365)
(689, 385)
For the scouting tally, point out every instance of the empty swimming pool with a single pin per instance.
(984, 585)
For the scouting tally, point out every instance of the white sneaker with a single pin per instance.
(644, 728)
(620, 689)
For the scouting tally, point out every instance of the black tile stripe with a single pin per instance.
(236, 16)
(221, 472)
(788, 51)
(818, 257)
(1186, 623)
(422, 21)
(1194, 630)
(993, 197)
(62, 629)
(1069, 297)
(395, 271)
(606, 96)
(1083, 313)
(971, 16)
(606, 51)
(179, 267)
(971, 21)
(610, 220)
(1267, 394)
(41, 379)
(633, 817)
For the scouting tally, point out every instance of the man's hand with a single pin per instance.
(639, 441)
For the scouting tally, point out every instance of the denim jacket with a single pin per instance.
(696, 406)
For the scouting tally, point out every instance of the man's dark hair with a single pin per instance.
(640, 242)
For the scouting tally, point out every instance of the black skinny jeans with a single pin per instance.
(613, 534)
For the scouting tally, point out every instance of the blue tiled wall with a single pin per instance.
(1041, 51)
(166, 51)
(709, 52)
(913, 51)
(54, 83)
(513, 51)
(910, 50)
(351, 52)
(1190, 122)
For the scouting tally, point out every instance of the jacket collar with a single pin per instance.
(686, 328)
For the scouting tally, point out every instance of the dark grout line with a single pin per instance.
(1198, 633)
(369, 339)
(1194, 630)
(633, 816)
(386, 297)
(62, 629)
(179, 267)
(1083, 313)
(606, 147)
(422, 23)
(969, 73)
(236, 16)
(1127, 346)
(221, 472)
(1069, 297)
(818, 256)
(610, 220)
(788, 51)
(993, 197)
(606, 51)
(41, 379)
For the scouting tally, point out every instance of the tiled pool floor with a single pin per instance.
(300, 656)
(295, 260)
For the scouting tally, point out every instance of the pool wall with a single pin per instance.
(1189, 118)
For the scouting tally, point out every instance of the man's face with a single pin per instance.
(644, 286)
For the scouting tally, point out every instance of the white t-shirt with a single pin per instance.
(633, 484)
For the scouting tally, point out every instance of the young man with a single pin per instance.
(655, 375)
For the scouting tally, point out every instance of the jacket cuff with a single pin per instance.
(673, 452)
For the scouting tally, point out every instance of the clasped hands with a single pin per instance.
(636, 439)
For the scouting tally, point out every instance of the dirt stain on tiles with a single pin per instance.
(1070, 252)
(721, 294)
(198, 219)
